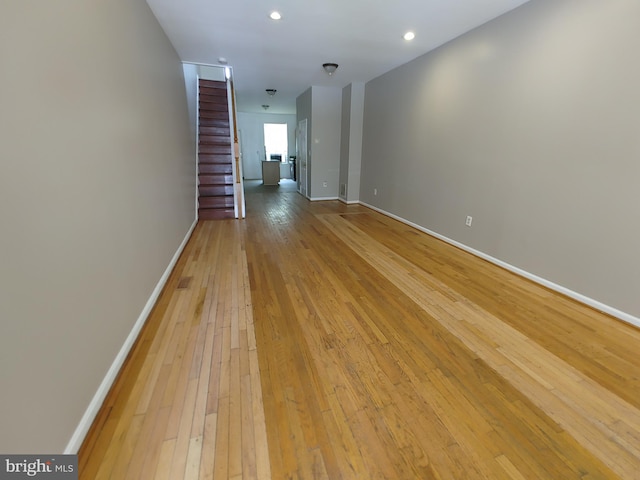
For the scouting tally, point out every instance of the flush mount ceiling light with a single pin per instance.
(271, 91)
(222, 61)
(409, 36)
(330, 68)
(275, 16)
(265, 107)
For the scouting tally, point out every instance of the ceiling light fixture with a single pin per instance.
(222, 61)
(409, 36)
(265, 107)
(271, 91)
(275, 16)
(330, 68)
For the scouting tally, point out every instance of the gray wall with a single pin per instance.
(351, 142)
(190, 72)
(303, 111)
(325, 111)
(251, 126)
(97, 185)
(325, 142)
(529, 124)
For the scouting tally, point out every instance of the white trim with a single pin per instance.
(352, 202)
(322, 199)
(197, 192)
(206, 64)
(96, 402)
(236, 208)
(614, 312)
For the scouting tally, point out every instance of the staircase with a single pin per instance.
(215, 153)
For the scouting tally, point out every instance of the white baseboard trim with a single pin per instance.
(614, 312)
(322, 199)
(96, 402)
(350, 202)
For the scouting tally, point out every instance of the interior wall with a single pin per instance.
(97, 188)
(351, 142)
(324, 134)
(529, 124)
(304, 111)
(251, 126)
(212, 72)
(190, 72)
(345, 136)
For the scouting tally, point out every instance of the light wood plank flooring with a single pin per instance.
(326, 341)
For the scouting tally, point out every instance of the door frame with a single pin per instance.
(302, 159)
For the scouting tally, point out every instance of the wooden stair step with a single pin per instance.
(214, 89)
(215, 122)
(213, 107)
(219, 168)
(220, 90)
(213, 95)
(215, 179)
(215, 190)
(212, 83)
(208, 148)
(216, 158)
(215, 140)
(220, 131)
(215, 213)
(225, 201)
(213, 98)
(214, 115)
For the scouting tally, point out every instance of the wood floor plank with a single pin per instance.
(207, 458)
(318, 340)
(512, 343)
(166, 456)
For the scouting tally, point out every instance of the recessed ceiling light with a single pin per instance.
(275, 16)
(409, 36)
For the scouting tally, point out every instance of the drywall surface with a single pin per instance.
(351, 141)
(190, 72)
(529, 124)
(345, 135)
(324, 136)
(304, 112)
(97, 188)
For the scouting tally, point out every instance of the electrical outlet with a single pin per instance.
(324, 184)
(375, 191)
(468, 221)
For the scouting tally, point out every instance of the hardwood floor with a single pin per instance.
(326, 341)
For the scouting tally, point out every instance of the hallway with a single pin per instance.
(316, 340)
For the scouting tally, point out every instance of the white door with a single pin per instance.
(301, 160)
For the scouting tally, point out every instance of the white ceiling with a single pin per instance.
(363, 36)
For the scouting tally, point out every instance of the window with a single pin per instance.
(275, 142)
